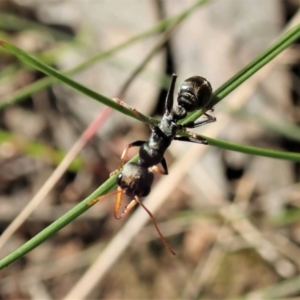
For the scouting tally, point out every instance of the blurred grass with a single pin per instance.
(37, 150)
(15, 23)
(286, 216)
(286, 129)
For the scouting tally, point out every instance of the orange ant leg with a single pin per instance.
(157, 170)
(125, 152)
(137, 199)
(94, 201)
(130, 206)
(118, 204)
(127, 209)
(125, 155)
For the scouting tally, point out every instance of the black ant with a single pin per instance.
(136, 178)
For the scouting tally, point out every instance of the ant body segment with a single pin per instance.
(136, 178)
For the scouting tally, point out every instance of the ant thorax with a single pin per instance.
(168, 124)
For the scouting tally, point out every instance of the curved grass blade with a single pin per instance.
(293, 156)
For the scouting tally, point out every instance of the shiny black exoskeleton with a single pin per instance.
(194, 94)
(136, 178)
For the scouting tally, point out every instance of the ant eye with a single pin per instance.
(119, 179)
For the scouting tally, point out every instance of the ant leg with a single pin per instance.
(136, 112)
(125, 154)
(193, 138)
(156, 169)
(164, 165)
(210, 119)
(137, 199)
(125, 151)
(118, 204)
(94, 201)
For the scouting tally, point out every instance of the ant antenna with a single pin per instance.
(128, 208)
(155, 224)
(170, 95)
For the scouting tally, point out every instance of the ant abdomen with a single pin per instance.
(194, 93)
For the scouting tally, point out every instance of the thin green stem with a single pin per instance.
(254, 150)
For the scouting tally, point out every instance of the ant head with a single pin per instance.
(194, 93)
(135, 180)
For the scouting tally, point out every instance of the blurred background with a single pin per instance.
(233, 219)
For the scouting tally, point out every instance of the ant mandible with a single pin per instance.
(136, 178)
